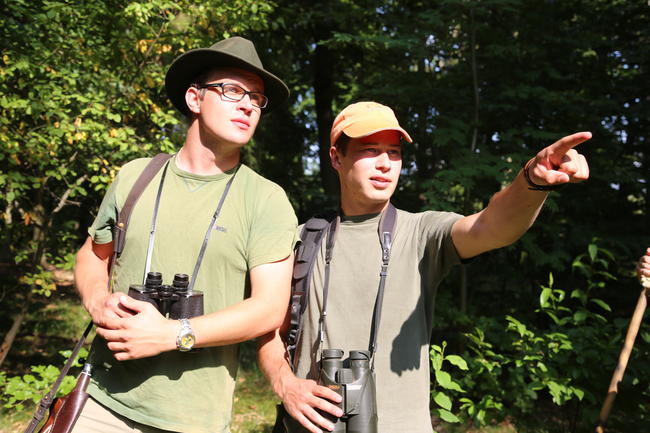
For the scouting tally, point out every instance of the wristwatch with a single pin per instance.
(186, 339)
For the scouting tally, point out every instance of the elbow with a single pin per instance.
(270, 318)
(275, 321)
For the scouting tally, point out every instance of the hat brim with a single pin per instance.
(190, 65)
(350, 132)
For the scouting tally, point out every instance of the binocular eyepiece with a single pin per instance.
(174, 301)
(356, 385)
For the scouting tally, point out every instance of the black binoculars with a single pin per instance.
(356, 385)
(174, 301)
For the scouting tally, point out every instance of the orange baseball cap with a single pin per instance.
(363, 119)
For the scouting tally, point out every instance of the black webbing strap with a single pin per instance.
(385, 231)
(119, 236)
(306, 252)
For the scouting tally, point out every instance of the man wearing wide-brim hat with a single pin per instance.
(206, 215)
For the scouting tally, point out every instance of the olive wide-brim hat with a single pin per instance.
(235, 52)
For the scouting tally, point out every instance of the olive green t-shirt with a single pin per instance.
(188, 392)
(422, 253)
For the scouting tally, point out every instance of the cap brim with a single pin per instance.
(365, 133)
(190, 65)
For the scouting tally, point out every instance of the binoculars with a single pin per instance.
(174, 301)
(356, 385)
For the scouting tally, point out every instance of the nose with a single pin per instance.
(383, 161)
(246, 104)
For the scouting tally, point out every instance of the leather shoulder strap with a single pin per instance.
(119, 237)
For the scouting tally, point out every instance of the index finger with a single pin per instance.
(329, 394)
(564, 144)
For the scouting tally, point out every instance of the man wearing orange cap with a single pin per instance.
(206, 215)
(373, 283)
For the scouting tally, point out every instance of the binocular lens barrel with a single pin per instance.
(181, 281)
(153, 280)
(356, 385)
(174, 301)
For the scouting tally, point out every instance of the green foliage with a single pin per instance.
(17, 390)
(518, 364)
(444, 383)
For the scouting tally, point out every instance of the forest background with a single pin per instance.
(527, 335)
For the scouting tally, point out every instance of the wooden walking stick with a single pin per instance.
(617, 377)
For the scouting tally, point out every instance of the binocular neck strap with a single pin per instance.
(154, 220)
(206, 238)
(385, 231)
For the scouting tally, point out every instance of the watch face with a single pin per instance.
(187, 341)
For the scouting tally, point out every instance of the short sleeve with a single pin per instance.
(101, 231)
(437, 240)
(273, 233)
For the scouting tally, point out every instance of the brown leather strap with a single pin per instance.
(45, 403)
(119, 237)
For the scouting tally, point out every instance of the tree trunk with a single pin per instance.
(13, 331)
(464, 279)
(324, 96)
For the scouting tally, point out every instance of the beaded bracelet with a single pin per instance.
(537, 187)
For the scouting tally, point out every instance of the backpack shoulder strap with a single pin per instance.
(305, 257)
(119, 236)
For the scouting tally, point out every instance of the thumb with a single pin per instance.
(133, 304)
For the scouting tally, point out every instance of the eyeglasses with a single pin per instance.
(234, 92)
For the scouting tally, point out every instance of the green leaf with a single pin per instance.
(445, 415)
(544, 297)
(443, 379)
(602, 304)
(457, 361)
(442, 400)
(593, 251)
(580, 316)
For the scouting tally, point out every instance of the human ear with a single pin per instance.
(193, 99)
(334, 158)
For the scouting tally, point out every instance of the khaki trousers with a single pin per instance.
(95, 418)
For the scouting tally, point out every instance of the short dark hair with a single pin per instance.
(341, 143)
(205, 76)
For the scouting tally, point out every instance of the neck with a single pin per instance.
(354, 208)
(200, 156)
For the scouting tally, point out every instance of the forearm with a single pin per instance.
(263, 312)
(273, 360)
(143, 331)
(509, 214)
(240, 322)
(512, 211)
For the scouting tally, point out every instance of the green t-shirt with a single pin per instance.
(188, 392)
(422, 253)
